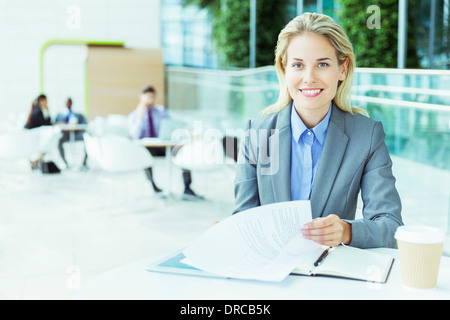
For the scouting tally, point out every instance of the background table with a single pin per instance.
(72, 128)
(159, 143)
(132, 281)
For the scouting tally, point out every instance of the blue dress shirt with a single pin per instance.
(306, 149)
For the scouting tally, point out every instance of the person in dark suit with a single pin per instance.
(69, 116)
(39, 114)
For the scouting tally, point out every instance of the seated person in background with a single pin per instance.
(144, 122)
(68, 116)
(39, 114)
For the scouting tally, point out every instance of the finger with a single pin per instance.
(322, 237)
(335, 230)
(326, 233)
(322, 222)
(320, 228)
(315, 224)
(328, 240)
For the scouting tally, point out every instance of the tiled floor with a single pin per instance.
(59, 232)
(76, 225)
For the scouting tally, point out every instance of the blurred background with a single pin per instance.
(210, 61)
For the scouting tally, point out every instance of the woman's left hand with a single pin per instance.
(329, 231)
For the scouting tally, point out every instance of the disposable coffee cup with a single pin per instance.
(420, 251)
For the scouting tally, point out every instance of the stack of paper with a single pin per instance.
(262, 243)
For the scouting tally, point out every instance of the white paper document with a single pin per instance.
(262, 243)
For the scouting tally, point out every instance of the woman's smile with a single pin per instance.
(311, 92)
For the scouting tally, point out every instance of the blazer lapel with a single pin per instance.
(280, 151)
(330, 161)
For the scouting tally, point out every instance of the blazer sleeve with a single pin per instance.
(382, 205)
(246, 184)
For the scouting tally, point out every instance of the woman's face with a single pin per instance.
(43, 102)
(312, 73)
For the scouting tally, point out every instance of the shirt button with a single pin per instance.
(309, 133)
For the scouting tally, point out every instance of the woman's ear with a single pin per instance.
(343, 70)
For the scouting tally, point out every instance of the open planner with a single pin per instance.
(340, 262)
(348, 262)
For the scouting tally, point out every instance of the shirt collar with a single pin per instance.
(298, 127)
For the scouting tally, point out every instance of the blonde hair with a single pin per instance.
(324, 25)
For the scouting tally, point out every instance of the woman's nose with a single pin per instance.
(309, 76)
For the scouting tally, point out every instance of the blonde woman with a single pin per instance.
(312, 145)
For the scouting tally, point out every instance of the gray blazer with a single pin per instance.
(354, 159)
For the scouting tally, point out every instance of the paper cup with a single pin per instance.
(420, 250)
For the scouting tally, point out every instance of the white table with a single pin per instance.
(72, 128)
(159, 143)
(133, 282)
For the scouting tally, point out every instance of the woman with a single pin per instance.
(317, 147)
(39, 113)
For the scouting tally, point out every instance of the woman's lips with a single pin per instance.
(311, 92)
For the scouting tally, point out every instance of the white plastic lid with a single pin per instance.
(419, 234)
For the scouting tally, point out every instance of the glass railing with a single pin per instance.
(413, 105)
(219, 96)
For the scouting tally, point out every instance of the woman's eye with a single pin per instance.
(297, 65)
(323, 65)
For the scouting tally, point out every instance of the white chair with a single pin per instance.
(200, 155)
(119, 157)
(116, 124)
(97, 125)
(92, 148)
(208, 159)
(17, 149)
(49, 137)
(19, 145)
(14, 121)
(118, 154)
(111, 125)
(117, 120)
(29, 144)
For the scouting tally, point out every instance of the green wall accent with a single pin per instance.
(73, 42)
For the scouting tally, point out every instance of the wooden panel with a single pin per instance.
(116, 77)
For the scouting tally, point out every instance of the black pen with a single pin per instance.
(322, 257)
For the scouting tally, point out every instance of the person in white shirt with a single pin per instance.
(144, 122)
